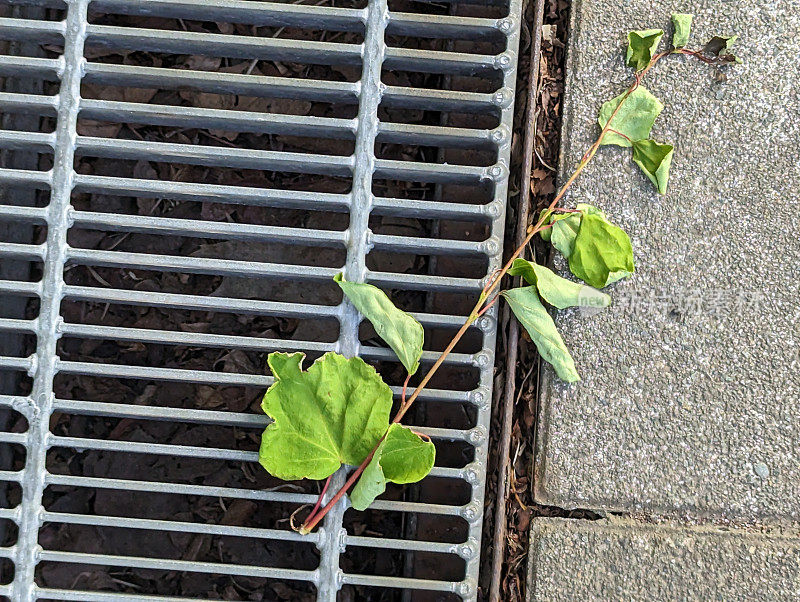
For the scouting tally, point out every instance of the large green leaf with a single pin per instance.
(402, 457)
(533, 316)
(400, 331)
(654, 160)
(641, 47)
(602, 252)
(682, 23)
(635, 117)
(557, 291)
(333, 414)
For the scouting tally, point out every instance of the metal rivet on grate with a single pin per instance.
(180, 181)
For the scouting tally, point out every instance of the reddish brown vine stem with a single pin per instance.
(493, 282)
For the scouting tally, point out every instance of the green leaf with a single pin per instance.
(682, 23)
(333, 414)
(547, 214)
(558, 291)
(635, 117)
(402, 457)
(564, 230)
(602, 252)
(641, 47)
(400, 331)
(533, 316)
(654, 159)
(719, 47)
(588, 209)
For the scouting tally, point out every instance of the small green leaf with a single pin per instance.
(682, 23)
(524, 268)
(333, 414)
(402, 457)
(641, 47)
(564, 230)
(533, 316)
(557, 291)
(654, 159)
(602, 252)
(547, 215)
(400, 330)
(635, 117)
(719, 47)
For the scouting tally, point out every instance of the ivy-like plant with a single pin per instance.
(337, 412)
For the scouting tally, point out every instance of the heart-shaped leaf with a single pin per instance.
(402, 457)
(602, 253)
(533, 316)
(682, 24)
(634, 120)
(654, 159)
(557, 291)
(641, 47)
(400, 330)
(333, 414)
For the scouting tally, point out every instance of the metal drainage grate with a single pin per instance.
(169, 216)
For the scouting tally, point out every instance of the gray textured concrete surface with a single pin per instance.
(586, 561)
(690, 400)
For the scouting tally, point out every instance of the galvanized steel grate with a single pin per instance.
(435, 155)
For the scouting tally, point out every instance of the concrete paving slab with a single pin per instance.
(584, 560)
(690, 398)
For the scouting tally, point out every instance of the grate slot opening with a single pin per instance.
(150, 207)
(215, 280)
(203, 238)
(392, 563)
(242, 437)
(24, 343)
(386, 591)
(13, 459)
(75, 579)
(14, 378)
(165, 473)
(135, 354)
(191, 164)
(19, 268)
(481, 8)
(13, 422)
(483, 39)
(435, 339)
(486, 83)
(13, 456)
(347, 29)
(386, 521)
(6, 572)
(8, 537)
(46, 10)
(33, 112)
(134, 541)
(267, 327)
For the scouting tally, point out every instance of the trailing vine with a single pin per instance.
(338, 411)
